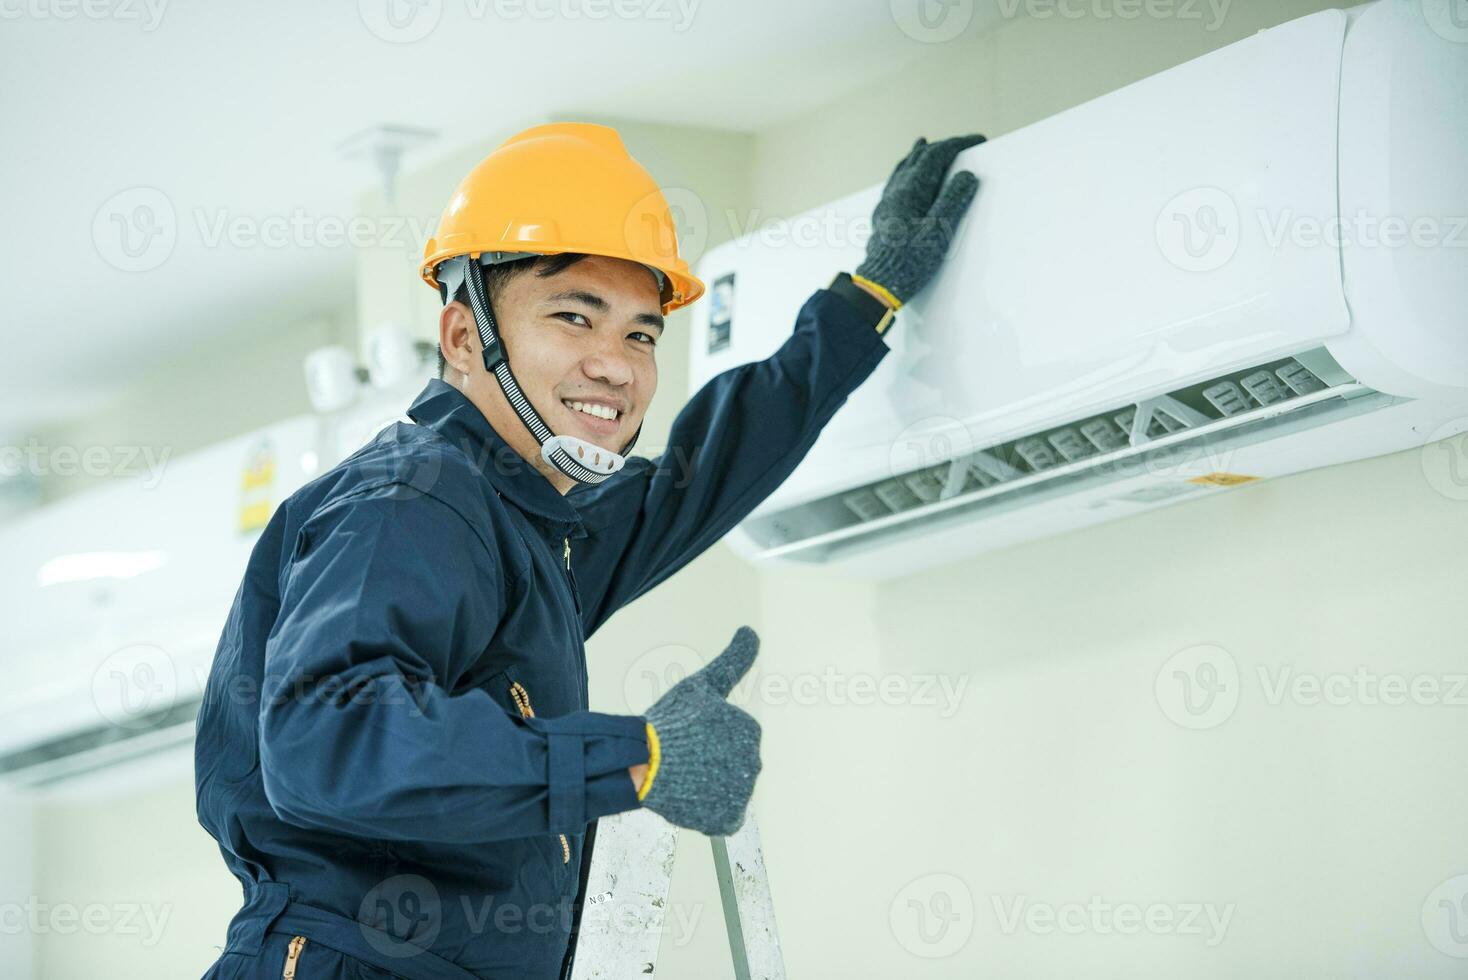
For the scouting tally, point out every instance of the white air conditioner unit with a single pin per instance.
(113, 599)
(1252, 264)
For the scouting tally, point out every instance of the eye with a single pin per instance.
(647, 338)
(569, 313)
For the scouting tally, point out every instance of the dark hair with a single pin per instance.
(498, 275)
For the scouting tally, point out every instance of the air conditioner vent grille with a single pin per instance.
(73, 755)
(1242, 405)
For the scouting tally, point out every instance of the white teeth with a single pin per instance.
(600, 411)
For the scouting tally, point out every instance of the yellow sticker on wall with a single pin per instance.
(257, 483)
(255, 516)
(1223, 479)
(259, 468)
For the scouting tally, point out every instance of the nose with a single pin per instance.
(606, 359)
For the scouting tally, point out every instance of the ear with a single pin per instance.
(458, 337)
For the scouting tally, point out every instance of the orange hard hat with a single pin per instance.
(563, 187)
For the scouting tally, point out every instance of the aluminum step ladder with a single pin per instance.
(626, 900)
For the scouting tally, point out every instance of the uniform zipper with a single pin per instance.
(293, 954)
(575, 597)
(521, 697)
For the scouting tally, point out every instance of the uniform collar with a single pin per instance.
(445, 409)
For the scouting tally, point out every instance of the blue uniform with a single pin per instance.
(394, 750)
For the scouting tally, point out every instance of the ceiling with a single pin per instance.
(135, 136)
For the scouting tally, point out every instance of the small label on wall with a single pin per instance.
(257, 483)
(1223, 479)
(721, 313)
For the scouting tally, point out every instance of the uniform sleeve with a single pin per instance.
(389, 602)
(731, 446)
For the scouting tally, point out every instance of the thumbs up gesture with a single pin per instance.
(707, 753)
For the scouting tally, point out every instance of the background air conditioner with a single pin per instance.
(110, 635)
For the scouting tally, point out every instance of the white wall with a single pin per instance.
(17, 885)
(202, 395)
(128, 883)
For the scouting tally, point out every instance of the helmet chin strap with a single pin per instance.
(582, 461)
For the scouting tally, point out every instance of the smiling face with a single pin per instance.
(581, 342)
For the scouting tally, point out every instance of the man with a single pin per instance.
(394, 750)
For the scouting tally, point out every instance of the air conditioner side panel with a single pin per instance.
(1404, 199)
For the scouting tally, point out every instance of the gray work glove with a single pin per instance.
(913, 223)
(708, 749)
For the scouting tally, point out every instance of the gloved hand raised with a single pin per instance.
(913, 223)
(708, 749)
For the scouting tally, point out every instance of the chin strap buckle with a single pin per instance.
(581, 460)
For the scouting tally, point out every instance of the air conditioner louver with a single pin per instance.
(1159, 435)
(100, 747)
